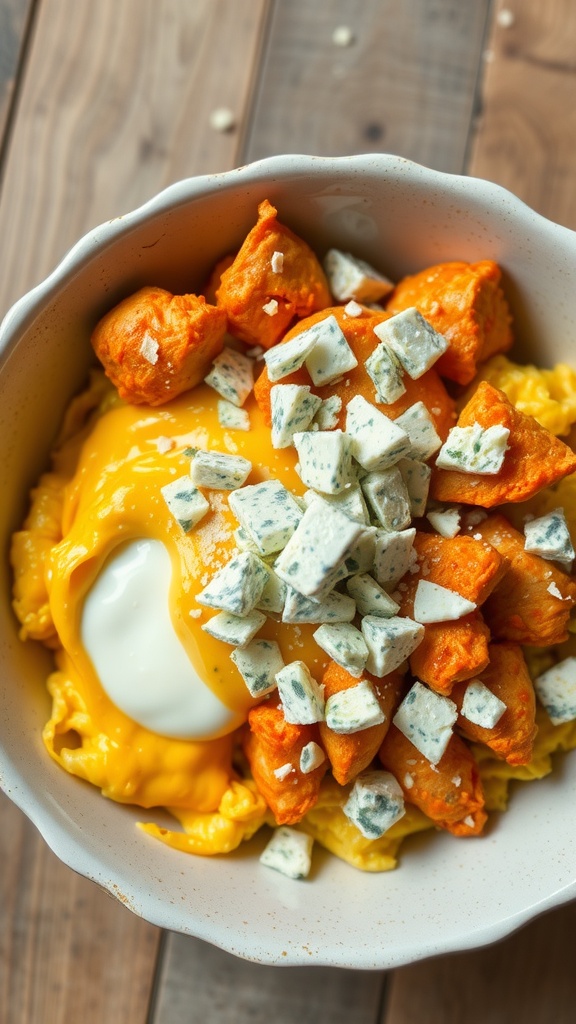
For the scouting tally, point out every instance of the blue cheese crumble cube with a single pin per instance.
(328, 412)
(353, 278)
(427, 720)
(388, 498)
(344, 644)
(389, 641)
(293, 407)
(231, 417)
(231, 376)
(315, 550)
(351, 502)
(235, 630)
(334, 607)
(325, 460)
(186, 503)
(446, 521)
(268, 513)
(219, 471)
(394, 555)
(377, 441)
(556, 690)
(549, 537)
(386, 373)
(331, 356)
(370, 598)
(289, 852)
(311, 757)
(375, 803)
(474, 449)
(481, 706)
(354, 709)
(413, 340)
(273, 596)
(419, 425)
(361, 555)
(284, 359)
(433, 603)
(416, 476)
(301, 696)
(237, 587)
(259, 663)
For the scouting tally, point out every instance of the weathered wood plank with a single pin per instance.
(525, 135)
(14, 18)
(404, 85)
(528, 977)
(199, 984)
(115, 104)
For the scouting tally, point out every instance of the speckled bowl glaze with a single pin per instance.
(447, 894)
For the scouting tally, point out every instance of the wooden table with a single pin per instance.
(103, 102)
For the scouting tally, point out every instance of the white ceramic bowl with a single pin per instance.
(448, 894)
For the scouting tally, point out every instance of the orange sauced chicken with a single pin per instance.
(289, 590)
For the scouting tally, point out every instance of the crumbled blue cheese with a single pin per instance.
(387, 496)
(289, 852)
(273, 596)
(325, 458)
(354, 709)
(331, 356)
(386, 373)
(353, 308)
(353, 278)
(344, 644)
(319, 544)
(549, 537)
(164, 444)
(394, 555)
(231, 417)
(416, 476)
(284, 771)
(390, 642)
(413, 340)
(370, 598)
(446, 521)
(301, 696)
(427, 720)
(419, 425)
(277, 262)
(311, 757)
(351, 502)
(219, 471)
(231, 376)
(237, 587)
(334, 607)
(433, 603)
(268, 513)
(259, 663)
(293, 408)
(244, 541)
(376, 802)
(149, 349)
(234, 629)
(377, 442)
(556, 690)
(361, 556)
(474, 449)
(284, 359)
(327, 416)
(186, 503)
(270, 307)
(481, 706)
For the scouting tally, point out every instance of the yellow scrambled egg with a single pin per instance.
(104, 485)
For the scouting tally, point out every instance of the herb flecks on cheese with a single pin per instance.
(416, 476)
(427, 720)
(419, 425)
(394, 555)
(413, 340)
(268, 513)
(386, 373)
(259, 663)
(335, 607)
(376, 802)
(231, 376)
(237, 587)
(377, 441)
(344, 644)
(311, 757)
(284, 359)
(319, 544)
(474, 449)
(390, 642)
(293, 408)
(548, 536)
(327, 416)
(235, 630)
(387, 496)
(370, 597)
(289, 852)
(325, 459)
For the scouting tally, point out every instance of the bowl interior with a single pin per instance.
(447, 894)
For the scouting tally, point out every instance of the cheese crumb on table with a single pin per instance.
(427, 720)
(289, 852)
(376, 802)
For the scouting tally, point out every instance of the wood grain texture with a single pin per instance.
(404, 85)
(115, 105)
(528, 977)
(14, 18)
(199, 984)
(526, 133)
